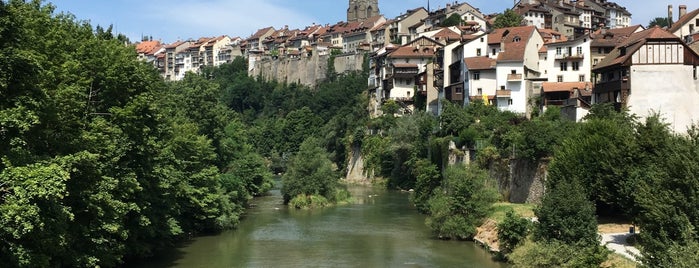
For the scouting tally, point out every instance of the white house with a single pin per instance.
(653, 71)
(687, 24)
(569, 61)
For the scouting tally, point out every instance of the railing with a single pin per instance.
(514, 77)
(570, 56)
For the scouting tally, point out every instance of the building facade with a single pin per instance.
(360, 10)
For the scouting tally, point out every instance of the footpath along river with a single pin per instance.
(381, 229)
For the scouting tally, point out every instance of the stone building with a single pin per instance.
(360, 10)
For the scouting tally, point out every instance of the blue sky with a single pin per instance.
(170, 21)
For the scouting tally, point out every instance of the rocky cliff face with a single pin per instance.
(520, 180)
(304, 70)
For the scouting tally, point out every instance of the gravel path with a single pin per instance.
(617, 242)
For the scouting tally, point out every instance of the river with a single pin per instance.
(381, 229)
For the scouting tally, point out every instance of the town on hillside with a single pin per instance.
(565, 53)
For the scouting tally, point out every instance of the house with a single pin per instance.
(568, 61)
(398, 30)
(482, 84)
(574, 98)
(402, 67)
(467, 12)
(359, 38)
(516, 50)
(686, 25)
(254, 42)
(605, 40)
(652, 71)
(172, 61)
(534, 14)
(149, 51)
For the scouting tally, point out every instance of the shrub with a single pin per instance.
(557, 254)
(461, 203)
(512, 231)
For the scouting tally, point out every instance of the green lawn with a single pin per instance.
(499, 210)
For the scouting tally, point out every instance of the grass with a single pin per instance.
(618, 261)
(500, 208)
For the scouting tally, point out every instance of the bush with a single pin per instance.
(308, 202)
(461, 203)
(566, 215)
(557, 254)
(512, 231)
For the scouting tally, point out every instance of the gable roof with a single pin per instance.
(480, 63)
(514, 41)
(684, 20)
(612, 37)
(413, 50)
(146, 47)
(632, 44)
(260, 33)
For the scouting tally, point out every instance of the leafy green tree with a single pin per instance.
(566, 215)
(661, 22)
(428, 179)
(512, 231)
(309, 172)
(461, 203)
(453, 20)
(557, 254)
(509, 18)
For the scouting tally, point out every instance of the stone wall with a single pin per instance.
(305, 70)
(520, 180)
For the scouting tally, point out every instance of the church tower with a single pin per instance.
(360, 10)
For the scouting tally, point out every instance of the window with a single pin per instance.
(516, 39)
(581, 78)
(513, 71)
(564, 66)
(476, 75)
(576, 66)
(509, 102)
(558, 51)
(480, 91)
(559, 78)
(478, 52)
(595, 61)
(502, 87)
(579, 51)
(493, 51)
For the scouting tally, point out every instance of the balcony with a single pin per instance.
(503, 93)
(387, 84)
(405, 72)
(573, 56)
(613, 85)
(514, 77)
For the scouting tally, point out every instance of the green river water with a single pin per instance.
(381, 229)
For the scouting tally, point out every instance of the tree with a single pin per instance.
(512, 231)
(428, 179)
(509, 18)
(309, 172)
(461, 203)
(453, 20)
(661, 22)
(566, 215)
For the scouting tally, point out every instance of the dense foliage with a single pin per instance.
(512, 231)
(509, 18)
(309, 172)
(460, 204)
(102, 160)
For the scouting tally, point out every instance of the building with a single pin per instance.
(687, 24)
(399, 28)
(574, 98)
(254, 42)
(568, 61)
(652, 71)
(360, 10)
(605, 40)
(172, 63)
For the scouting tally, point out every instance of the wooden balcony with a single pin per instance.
(611, 86)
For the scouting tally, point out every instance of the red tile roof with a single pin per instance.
(447, 34)
(565, 86)
(612, 37)
(480, 63)
(684, 20)
(260, 33)
(515, 41)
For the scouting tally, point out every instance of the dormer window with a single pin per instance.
(622, 51)
(516, 39)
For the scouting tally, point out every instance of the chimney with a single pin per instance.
(669, 16)
(683, 11)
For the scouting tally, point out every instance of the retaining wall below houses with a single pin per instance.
(302, 70)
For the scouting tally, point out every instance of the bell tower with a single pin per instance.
(360, 10)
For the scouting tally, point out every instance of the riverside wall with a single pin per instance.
(308, 70)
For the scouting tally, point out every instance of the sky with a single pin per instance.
(169, 21)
